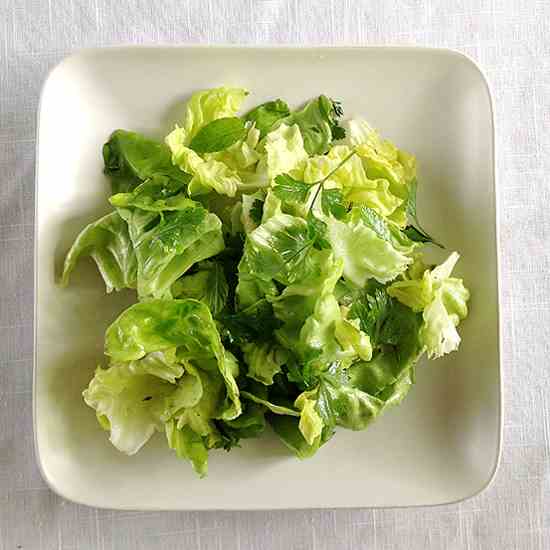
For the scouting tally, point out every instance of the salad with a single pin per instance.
(276, 258)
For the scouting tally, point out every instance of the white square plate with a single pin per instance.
(441, 445)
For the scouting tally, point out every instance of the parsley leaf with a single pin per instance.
(400, 329)
(329, 406)
(372, 311)
(338, 132)
(415, 232)
(317, 231)
(218, 135)
(332, 202)
(289, 189)
(257, 211)
(255, 323)
(304, 373)
(174, 227)
(388, 322)
(333, 111)
(417, 235)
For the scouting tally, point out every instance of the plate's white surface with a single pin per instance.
(441, 445)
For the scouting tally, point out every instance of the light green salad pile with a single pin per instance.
(277, 261)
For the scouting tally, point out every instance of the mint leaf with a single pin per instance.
(332, 202)
(376, 222)
(218, 135)
(257, 211)
(267, 114)
(289, 189)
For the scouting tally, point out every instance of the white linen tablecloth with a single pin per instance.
(511, 42)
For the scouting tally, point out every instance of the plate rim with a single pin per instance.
(83, 52)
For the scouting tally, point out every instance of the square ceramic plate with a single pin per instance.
(441, 445)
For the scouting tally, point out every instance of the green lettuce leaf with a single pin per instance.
(209, 105)
(287, 428)
(130, 402)
(207, 285)
(364, 253)
(208, 174)
(157, 325)
(350, 337)
(167, 245)
(264, 361)
(443, 300)
(188, 445)
(155, 194)
(383, 160)
(267, 114)
(285, 151)
(277, 249)
(108, 243)
(318, 124)
(241, 158)
(131, 158)
(311, 424)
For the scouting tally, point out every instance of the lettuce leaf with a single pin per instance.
(207, 285)
(287, 428)
(364, 253)
(157, 325)
(311, 424)
(443, 300)
(209, 105)
(130, 402)
(207, 174)
(267, 114)
(318, 124)
(167, 245)
(264, 361)
(156, 194)
(108, 243)
(277, 249)
(131, 158)
(285, 151)
(383, 160)
(188, 445)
